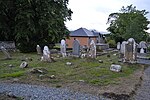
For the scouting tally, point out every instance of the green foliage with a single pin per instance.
(112, 43)
(128, 23)
(14, 74)
(32, 22)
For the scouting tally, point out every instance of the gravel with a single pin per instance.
(143, 92)
(34, 92)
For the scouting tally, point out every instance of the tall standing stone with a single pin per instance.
(63, 48)
(5, 52)
(92, 51)
(38, 49)
(130, 51)
(76, 47)
(122, 49)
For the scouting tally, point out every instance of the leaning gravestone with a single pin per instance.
(115, 68)
(5, 52)
(38, 48)
(130, 51)
(92, 48)
(46, 54)
(24, 64)
(76, 48)
(63, 48)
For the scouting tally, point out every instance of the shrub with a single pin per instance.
(112, 43)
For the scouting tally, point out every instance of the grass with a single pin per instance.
(89, 70)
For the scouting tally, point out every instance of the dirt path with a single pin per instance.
(143, 93)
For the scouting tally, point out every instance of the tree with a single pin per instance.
(38, 22)
(128, 23)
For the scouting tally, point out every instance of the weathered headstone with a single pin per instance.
(118, 45)
(76, 48)
(38, 48)
(63, 48)
(142, 47)
(92, 48)
(46, 54)
(130, 51)
(122, 49)
(6, 53)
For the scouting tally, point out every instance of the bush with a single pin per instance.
(112, 43)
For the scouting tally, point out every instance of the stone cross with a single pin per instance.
(38, 48)
(5, 52)
(92, 48)
(76, 47)
(63, 48)
(46, 54)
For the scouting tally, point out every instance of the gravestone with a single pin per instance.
(122, 49)
(76, 48)
(6, 53)
(92, 49)
(38, 48)
(142, 47)
(46, 54)
(63, 48)
(130, 51)
(118, 45)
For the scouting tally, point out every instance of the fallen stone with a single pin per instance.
(24, 64)
(100, 61)
(115, 68)
(68, 63)
(38, 70)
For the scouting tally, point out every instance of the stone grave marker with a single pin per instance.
(6, 53)
(118, 45)
(92, 49)
(46, 54)
(76, 48)
(115, 68)
(63, 48)
(130, 51)
(142, 47)
(38, 48)
(122, 49)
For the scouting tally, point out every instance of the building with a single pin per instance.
(82, 34)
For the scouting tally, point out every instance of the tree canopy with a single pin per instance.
(32, 22)
(128, 23)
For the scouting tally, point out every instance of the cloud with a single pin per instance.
(93, 14)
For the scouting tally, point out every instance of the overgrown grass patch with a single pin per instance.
(89, 70)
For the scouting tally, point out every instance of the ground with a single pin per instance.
(84, 75)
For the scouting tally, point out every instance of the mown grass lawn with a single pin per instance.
(88, 70)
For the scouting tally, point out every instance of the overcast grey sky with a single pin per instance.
(93, 14)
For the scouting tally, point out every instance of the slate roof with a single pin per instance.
(82, 32)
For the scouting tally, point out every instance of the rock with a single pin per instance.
(81, 81)
(15, 79)
(52, 77)
(115, 54)
(115, 68)
(100, 61)
(68, 63)
(41, 76)
(38, 70)
(10, 66)
(24, 64)
(120, 60)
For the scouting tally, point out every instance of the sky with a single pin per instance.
(93, 14)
